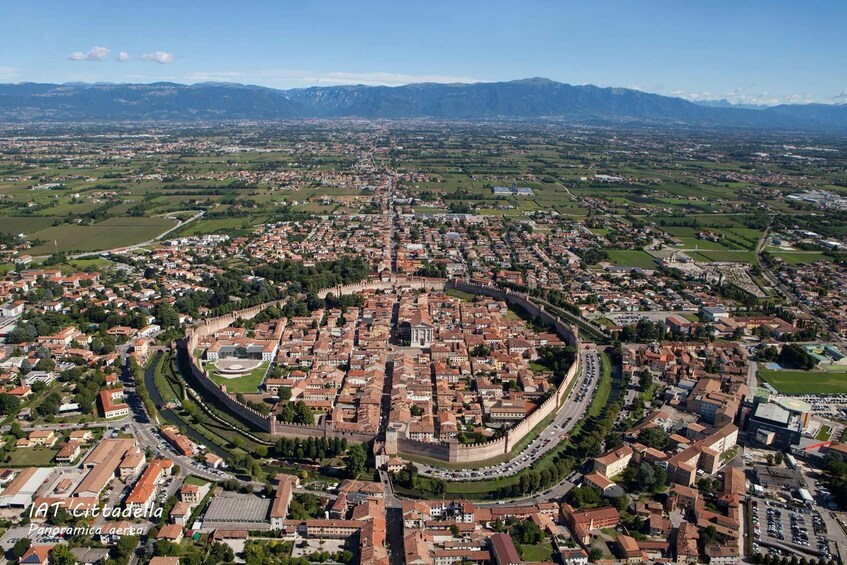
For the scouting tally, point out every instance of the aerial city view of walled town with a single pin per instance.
(492, 323)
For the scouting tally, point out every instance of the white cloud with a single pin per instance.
(743, 97)
(160, 57)
(8, 74)
(95, 54)
(288, 77)
(122, 57)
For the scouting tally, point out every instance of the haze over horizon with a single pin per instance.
(752, 53)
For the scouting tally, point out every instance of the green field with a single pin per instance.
(604, 388)
(32, 457)
(805, 382)
(542, 552)
(108, 234)
(798, 258)
(632, 258)
(246, 384)
(24, 224)
(196, 481)
(726, 256)
(203, 226)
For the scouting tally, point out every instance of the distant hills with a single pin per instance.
(520, 99)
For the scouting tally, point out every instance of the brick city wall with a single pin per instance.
(453, 452)
(459, 453)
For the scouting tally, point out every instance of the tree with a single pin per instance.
(16, 430)
(21, 546)
(46, 364)
(354, 462)
(220, 553)
(165, 315)
(584, 496)
(50, 406)
(62, 555)
(628, 477)
(795, 357)
(709, 535)
(654, 437)
(284, 394)
(646, 476)
(303, 414)
(125, 546)
(595, 554)
(9, 404)
(165, 548)
(661, 478)
(527, 532)
(645, 380)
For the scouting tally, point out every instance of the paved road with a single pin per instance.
(110, 424)
(571, 412)
(752, 368)
(147, 436)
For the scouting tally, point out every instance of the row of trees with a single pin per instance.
(311, 448)
(769, 559)
(586, 443)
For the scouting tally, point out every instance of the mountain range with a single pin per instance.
(535, 98)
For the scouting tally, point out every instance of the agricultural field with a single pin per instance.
(800, 257)
(631, 258)
(108, 234)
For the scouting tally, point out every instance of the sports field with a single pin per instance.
(806, 382)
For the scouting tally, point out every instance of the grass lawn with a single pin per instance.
(460, 294)
(248, 383)
(32, 457)
(195, 480)
(805, 382)
(542, 552)
(824, 433)
(97, 263)
(632, 258)
(604, 387)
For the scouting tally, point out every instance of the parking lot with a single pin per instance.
(788, 526)
(823, 404)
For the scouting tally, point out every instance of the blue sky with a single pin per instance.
(746, 51)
